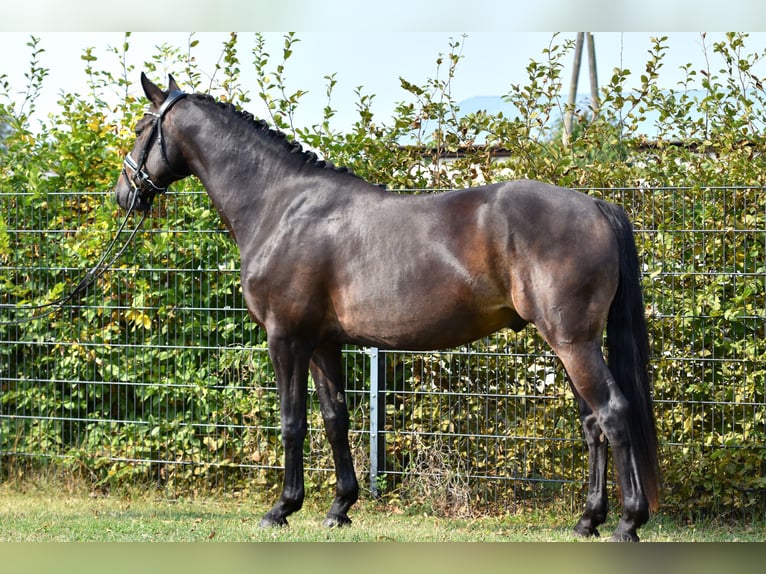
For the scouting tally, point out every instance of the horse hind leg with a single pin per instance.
(327, 371)
(594, 383)
(596, 503)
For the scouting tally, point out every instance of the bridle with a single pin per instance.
(141, 182)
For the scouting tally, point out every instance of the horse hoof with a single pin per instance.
(586, 531)
(624, 536)
(269, 522)
(336, 521)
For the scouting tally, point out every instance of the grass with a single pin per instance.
(45, 514)
(33, 516)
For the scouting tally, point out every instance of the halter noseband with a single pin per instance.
(140, 181)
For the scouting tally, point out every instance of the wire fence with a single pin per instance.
(157, 372)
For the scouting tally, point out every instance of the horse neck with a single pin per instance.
(249, 175)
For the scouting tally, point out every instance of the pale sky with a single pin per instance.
(342, 16)
(492, 62)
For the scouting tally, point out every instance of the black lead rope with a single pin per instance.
(90, 277)
(139, 180)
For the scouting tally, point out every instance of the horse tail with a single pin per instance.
(627, 341)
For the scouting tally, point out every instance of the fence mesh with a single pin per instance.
(158, 374)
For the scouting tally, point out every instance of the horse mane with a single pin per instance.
(263, 129)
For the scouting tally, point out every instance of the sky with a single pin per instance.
(369, 44)
(340, 16)
(492, 61)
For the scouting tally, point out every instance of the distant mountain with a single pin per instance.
(491, 104)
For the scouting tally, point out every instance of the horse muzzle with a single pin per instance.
(130, 197)
(136, 191)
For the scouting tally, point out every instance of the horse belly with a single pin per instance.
(425, 312)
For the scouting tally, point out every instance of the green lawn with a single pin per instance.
(31, 521)
(45, 515)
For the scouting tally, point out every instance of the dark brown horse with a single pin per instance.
(329, 259)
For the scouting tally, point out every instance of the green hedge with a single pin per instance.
(164, 341)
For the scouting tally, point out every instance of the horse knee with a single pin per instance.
(294, 433)
(336, 427)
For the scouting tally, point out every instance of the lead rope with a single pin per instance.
(91, 276)
(99, 269)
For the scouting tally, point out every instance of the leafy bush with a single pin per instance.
(157, 374)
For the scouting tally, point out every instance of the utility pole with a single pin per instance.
(594, 99)
(595, 102)
(572, 90)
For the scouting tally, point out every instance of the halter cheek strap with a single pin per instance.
(172, 98)
(141, 180)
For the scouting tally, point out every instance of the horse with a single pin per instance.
(328, 259)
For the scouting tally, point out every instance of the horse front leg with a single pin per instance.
(290, 359)
(327, 371)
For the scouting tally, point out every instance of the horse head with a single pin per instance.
(156, 160)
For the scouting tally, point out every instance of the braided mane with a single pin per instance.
(262, 128)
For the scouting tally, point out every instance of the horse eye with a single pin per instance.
(140, 127)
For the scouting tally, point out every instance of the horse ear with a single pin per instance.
(172, 86)
(153, 93)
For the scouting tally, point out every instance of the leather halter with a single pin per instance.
(141, 181)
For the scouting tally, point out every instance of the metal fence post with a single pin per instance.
(377, 417)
